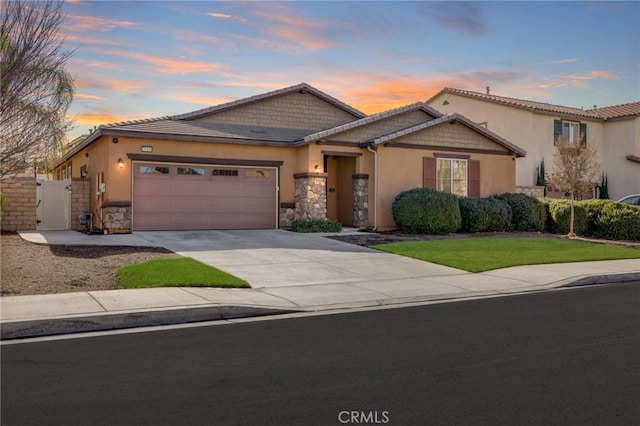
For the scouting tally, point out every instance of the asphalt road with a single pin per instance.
(568, 357)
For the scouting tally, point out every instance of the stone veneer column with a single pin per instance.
(310, 195)
(116, 217)
(360, 200)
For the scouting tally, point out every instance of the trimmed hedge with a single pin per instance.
(315, 225)
(611, 220)
(559, 216)
(485, 215)
(528, 212)
(425, 211)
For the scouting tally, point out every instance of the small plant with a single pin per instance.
(426, 211)
(315, 225)
(540, 177)
(604, 187)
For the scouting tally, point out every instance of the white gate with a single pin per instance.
(53, 205)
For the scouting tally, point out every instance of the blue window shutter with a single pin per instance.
(583, 135)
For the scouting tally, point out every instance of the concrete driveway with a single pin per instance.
(277, 258)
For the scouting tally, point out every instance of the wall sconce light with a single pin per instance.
(317, 168)
(120, 163)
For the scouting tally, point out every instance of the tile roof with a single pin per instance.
(618, 111)
(521, 103)
(244, 101)
(370, 119)
(454, 117)
(631, 109)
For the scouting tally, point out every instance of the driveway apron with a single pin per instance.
(277, 258)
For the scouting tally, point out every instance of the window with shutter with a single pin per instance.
(571, 131)
(429, 173)
(474, 178)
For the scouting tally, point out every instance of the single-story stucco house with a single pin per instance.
(263, 161)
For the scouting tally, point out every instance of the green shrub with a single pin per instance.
(559, 216)
(425, 211)
(315, 225)
(500, 215)
(484, 215)
(474, 217)
(528, 212)
(611, 220)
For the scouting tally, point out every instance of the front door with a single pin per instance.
(340, 172)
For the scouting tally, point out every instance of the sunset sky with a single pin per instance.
(153, 58)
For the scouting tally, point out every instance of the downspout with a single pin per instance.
(375, 189)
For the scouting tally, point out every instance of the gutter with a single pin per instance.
(375, 190)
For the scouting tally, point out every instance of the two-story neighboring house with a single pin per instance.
(534, 126)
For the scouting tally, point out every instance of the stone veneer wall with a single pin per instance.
(116, 217)
(80, 193)
(534, 191)
(310, 195)
(19, 209)
(360, 200)
(287, 214)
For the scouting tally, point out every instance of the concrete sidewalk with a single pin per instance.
(288, 273)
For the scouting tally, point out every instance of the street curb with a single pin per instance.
(37, 327)
(599, 279)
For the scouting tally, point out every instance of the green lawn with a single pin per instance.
(484, 254)
(175, 272)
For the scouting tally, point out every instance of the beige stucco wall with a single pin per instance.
(104, 155)
(622, 138)
(400, 169)
(293, 110)
(614, 139)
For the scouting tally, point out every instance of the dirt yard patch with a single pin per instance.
(27, 268)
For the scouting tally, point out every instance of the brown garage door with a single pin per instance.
(175, 197)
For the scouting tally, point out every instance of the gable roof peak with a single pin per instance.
(300, 87)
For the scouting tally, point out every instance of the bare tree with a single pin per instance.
(575, 169)
(35, 88)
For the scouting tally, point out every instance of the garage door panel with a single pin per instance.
(192, 221)
(262, 205)
(234, 198)
(154, 222)
(190, 188)
(149, 204)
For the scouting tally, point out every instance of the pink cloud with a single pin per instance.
(93, 23)
(308, 33)
(85, 96)
(169, 66)
(196, 37)
(110, 83)
(577, 80)
(227, 16)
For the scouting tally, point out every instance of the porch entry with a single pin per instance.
(53, 205)
(340, 170)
